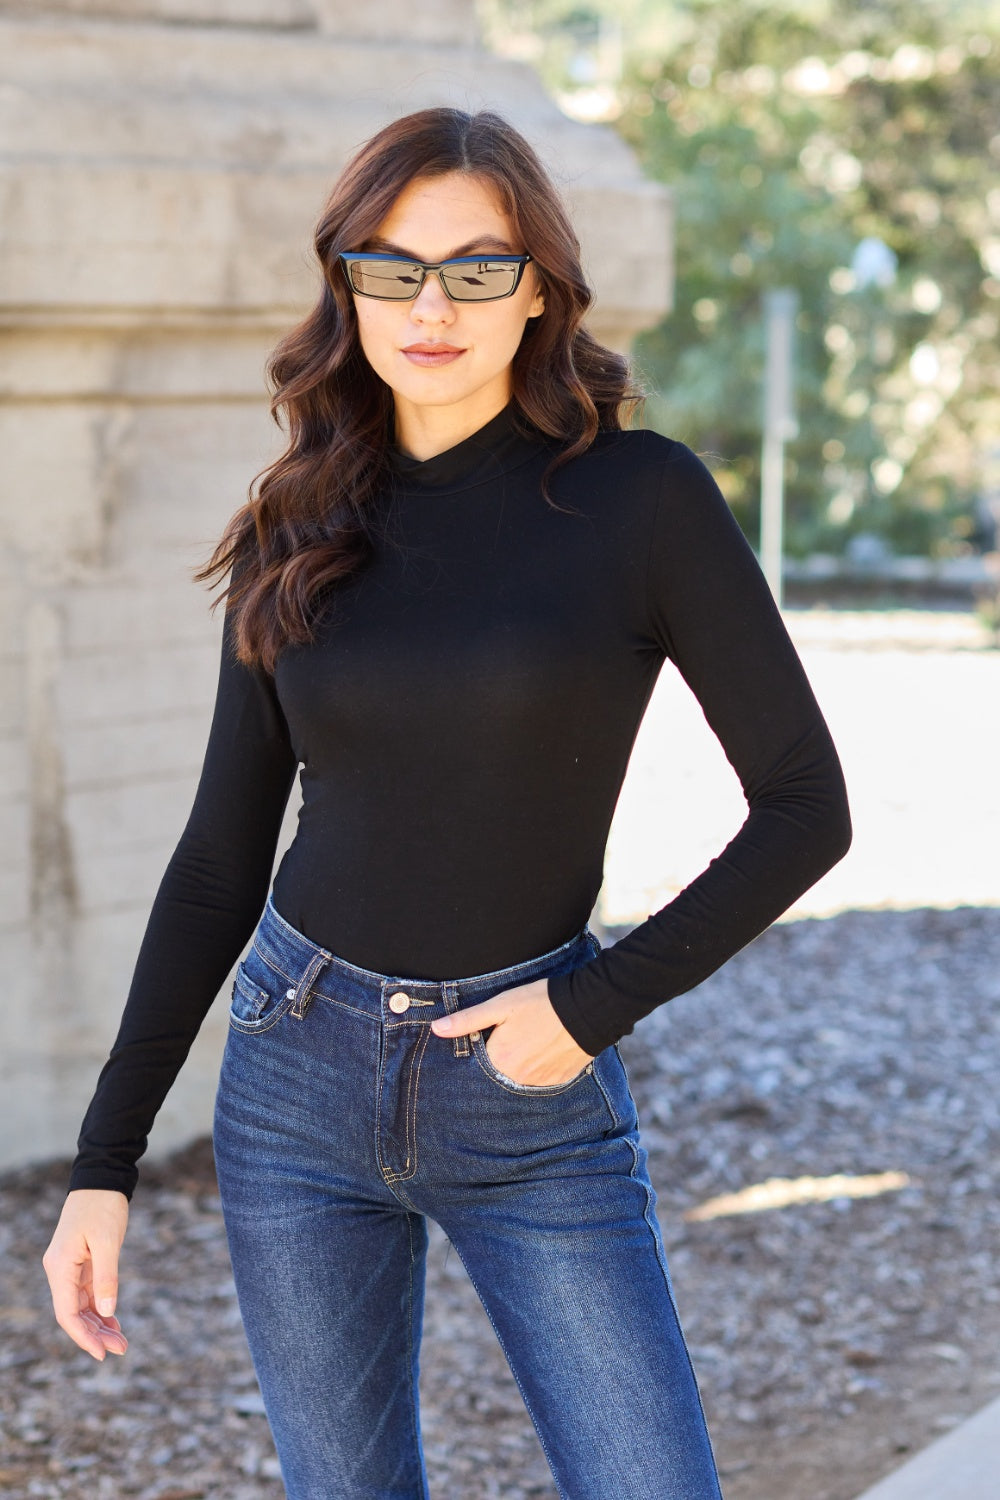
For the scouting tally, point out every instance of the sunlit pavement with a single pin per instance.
(912, 698)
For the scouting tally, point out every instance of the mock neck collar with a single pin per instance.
(504, 442)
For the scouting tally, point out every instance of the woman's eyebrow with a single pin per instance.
(484, 242)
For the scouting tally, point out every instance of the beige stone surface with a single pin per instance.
(162, 165)
(440, 21)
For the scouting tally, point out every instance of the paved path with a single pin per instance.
(913, 701)
(962, 1465)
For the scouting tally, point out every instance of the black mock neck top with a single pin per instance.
(461, 726)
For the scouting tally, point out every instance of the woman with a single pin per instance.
(449, 602)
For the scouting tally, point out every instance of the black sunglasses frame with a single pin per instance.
(348, 257)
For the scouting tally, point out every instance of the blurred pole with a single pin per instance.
(780, 307)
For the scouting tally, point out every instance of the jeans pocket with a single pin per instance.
(490, 1068)
(511, 1084)
(260, 996)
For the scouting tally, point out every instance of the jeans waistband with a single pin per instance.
(316, 971)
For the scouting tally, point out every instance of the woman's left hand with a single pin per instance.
(529, 1043)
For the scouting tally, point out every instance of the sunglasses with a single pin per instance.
(466, 278)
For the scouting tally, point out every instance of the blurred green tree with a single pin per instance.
(790, 132)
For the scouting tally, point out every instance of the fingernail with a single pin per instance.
(441, 1027)
(106, 1306)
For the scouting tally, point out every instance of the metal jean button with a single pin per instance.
(399, 1002)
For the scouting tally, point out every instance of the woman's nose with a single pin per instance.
(432, 297)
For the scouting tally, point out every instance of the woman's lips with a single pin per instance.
(437, 357)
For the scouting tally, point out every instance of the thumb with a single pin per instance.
(472, 1018)
(104, 1267)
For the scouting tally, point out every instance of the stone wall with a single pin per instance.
(163, 163)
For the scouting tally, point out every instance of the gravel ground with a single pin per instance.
(831, 1338)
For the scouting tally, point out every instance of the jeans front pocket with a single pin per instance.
(260, 997)
(491, 1070)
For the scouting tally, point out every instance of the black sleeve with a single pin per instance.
(206, 908)
(712, 613)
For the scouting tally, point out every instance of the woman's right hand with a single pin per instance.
(81, 1264)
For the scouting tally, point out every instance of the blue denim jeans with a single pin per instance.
(342, 1121)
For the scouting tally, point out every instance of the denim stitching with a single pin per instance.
(271, 963)
(303, 998)
(452, 1004)
(412, 1084)
(414, 1417)
(528, 963)
(616, 1123)
(258, 1028)
(411, 1103)
(345, 1005)
(254, 993)
(379, 1081)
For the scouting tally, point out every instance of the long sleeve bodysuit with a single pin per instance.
(461, 725)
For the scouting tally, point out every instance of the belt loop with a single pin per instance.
(303, 990)
(451, 1003)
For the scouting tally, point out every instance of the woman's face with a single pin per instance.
(432, 219)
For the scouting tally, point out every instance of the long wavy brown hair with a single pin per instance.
(307, 524)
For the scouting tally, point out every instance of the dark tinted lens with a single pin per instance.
(478, 281)
(397, 279)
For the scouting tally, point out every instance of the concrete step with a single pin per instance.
(962, 1465)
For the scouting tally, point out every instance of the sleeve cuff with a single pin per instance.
(592, 1038)
(106, 1178)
